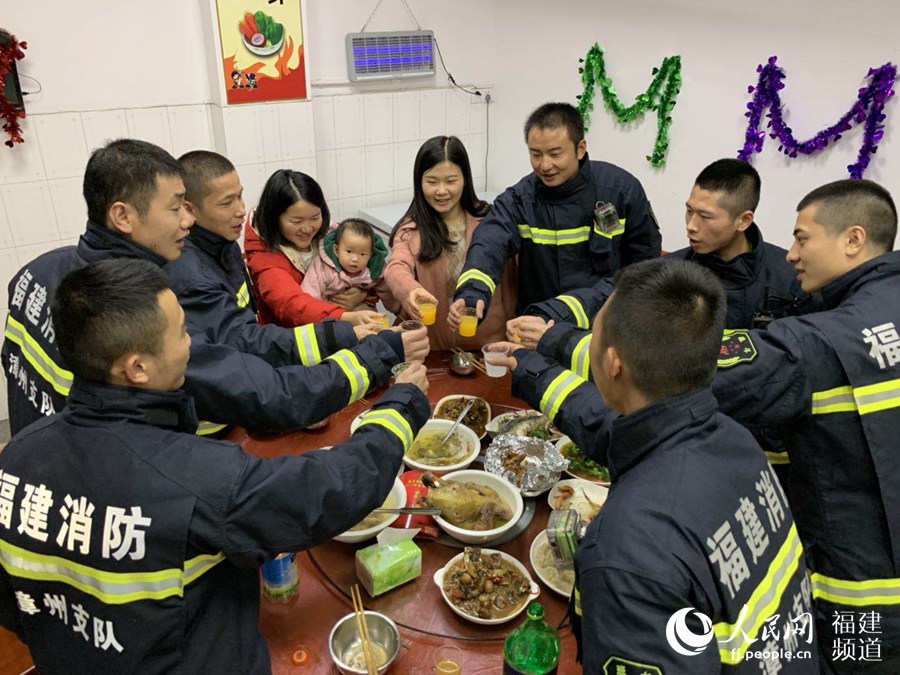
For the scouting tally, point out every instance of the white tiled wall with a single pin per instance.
(359, 147)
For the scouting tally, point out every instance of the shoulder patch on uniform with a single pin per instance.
(616, 665)
(737, 347)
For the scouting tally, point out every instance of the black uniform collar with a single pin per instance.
(106, 403)
(833, 294)
(101, 243)
(577, 182)
(635, 435)
(217, 247)
(740, 270)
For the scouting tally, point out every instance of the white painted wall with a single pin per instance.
(825, 47)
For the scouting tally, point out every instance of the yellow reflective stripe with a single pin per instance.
(577, 600)
(59, 378)
(243, 296)
(112, 588)
(392, 421)
(356, 373)
(308, 345)
(839, 399)
(581, 363)
(476, 275)
(778, 457)
(763, 602)
(577, 310)
(575, 235)
(864, 400)
(615, 233)
(856, 593)
(556, 394)
(207, 428)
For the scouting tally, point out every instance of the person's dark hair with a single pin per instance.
(433, 233)
(107, 310)
(200, 168)
(284, 189)
(356, 225)
(738, 181)
(666, 320)
(845, 203)
(125, 170)
(554, 116)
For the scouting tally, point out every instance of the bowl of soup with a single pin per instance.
(374, 523)
(427, 454)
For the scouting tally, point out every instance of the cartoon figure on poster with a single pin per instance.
(262, 50)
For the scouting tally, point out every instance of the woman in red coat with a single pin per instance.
(281, 239)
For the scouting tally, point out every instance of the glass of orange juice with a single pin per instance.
(385, 321)
(468, 322)
(429, 312)
(448, 660)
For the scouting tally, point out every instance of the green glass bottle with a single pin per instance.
(533, 648)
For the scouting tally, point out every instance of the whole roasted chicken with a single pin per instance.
(467, 505)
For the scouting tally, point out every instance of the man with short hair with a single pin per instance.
(695, 522)
(547, 219)
(211, 280)
(137, 190)
(134, 546)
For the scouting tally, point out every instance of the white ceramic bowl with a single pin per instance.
(508, 492)
(595, 491)
(535, 589)
(469, 437)
(563, 442)
(396, 499)
(539, 542)
(263, 51)
(446, 399)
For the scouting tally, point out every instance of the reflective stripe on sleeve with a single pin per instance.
(577, 310)
(577, 601)
(208, 428)
(575, 235)
(556, 394)
(476, 275)
(59, 378)
(355, 371)
(776, 458)
(581, 363)
(308, 344)
(393, 421)
(243, 296)
(610, 235)
(856, 593)
(862, 400)
(763, 602)
(112, 588)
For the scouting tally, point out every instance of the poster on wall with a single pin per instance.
(262, 50)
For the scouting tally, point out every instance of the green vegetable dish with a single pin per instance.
(582, 467)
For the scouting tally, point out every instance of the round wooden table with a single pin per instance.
(328, 571)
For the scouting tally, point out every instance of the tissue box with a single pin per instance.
(381, 567)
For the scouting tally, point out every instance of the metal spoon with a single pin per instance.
(455, 424)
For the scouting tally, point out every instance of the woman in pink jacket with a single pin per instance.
(429, 244)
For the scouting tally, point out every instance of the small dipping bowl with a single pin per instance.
(345, 636)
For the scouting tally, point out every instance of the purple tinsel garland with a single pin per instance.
(867, 108)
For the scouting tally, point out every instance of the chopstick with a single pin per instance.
(363, 627)
(471, 360)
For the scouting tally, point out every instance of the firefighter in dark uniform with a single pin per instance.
(211, 279)
(831, 381)
(135, 200)
(547, 219)
(694, 564)
(129, 545)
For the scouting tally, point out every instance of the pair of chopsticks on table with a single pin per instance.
(471, 360)
(363, 627)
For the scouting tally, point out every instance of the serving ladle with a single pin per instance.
(459, 364)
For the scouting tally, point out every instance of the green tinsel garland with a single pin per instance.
(594, 72)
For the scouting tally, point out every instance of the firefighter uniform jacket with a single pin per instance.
(130, 546)
(695, 521)
(552, 231)
(229, 386)
(831, 382)
(214, 290)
